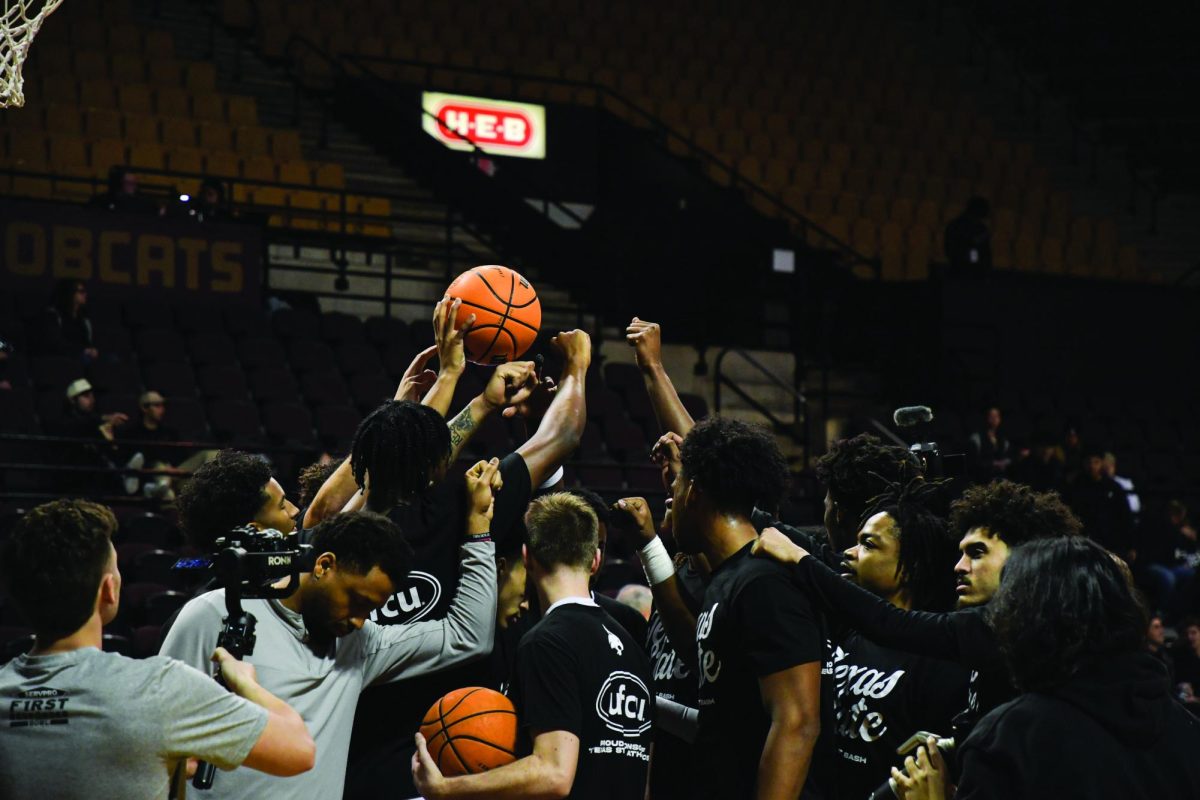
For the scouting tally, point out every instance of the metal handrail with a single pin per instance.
(797, 429)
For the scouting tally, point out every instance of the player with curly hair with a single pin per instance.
(854, 472)
(990, 521)
(231, 490)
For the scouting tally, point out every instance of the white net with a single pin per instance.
(20, 24)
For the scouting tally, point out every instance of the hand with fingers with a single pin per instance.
(924, 777)
(534, 406)
(646, 340)
(576, 348)
(773, 544)
(417, 380)
(666, 454)
(426, 776)
(511, 384)
(483, 482)
(634, 514)
(452, 357)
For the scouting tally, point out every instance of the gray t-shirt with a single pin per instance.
(87, 724)
(323, 687)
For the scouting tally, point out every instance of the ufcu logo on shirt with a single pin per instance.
(623, 703)
(417, 596)
(710, 663)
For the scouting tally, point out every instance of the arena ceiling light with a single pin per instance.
(497, 127)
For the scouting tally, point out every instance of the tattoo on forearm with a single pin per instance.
(460, 429)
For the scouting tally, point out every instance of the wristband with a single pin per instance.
(553, 479)
(657, 562)
(479, 538)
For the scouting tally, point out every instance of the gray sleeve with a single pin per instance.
(193, 637)
(394, 652)
(201, 719)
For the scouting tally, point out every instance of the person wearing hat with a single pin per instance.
(80, 420)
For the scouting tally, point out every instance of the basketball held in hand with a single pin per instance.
(471, 730)
(507, 313)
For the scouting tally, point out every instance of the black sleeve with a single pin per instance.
(814, 544)
(961, 636)
(779, 629)
(547, 693)
(513, 497)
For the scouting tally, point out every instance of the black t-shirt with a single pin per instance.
(153, 454)
(884, 697)
(754, 622)
(673, 769)
(627, 617)
(388, 716)
(581, 672)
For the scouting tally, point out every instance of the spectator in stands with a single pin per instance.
(175, 461)
(1187, 663)
(1172, 558)
(1156, 643)
(1041, 469)
(1099, 502)
(1071, 452)
(65, 329)
(123, 194)
(1096, 717)
(969, 239)
(119, 727)
(80, 420)
(990, 451)
(1131, 496)
(208, 204)
(5, 350)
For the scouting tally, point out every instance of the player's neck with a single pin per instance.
(294, 602)
(90, 635)
(562, 584)
(727, 534)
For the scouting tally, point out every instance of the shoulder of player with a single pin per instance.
(1028, 719)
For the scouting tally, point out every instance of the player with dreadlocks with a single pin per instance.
(904, 555)
(399, 455)
(854, 472)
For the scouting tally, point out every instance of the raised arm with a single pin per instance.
(394, 652)
(678, 619)
(452, 357)
(646, 340)
(509, 384)
(562, 426)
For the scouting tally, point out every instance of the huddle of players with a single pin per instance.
(765, 672)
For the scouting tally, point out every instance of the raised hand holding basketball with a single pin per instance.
(452, 357)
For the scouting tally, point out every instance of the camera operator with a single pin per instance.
(317, 647)
(84, 723)
(1096, 718)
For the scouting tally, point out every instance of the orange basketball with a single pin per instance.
(507, 313)
(471, 730)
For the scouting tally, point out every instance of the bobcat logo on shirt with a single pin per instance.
(623, 704)
(417, 596)
(614, 642)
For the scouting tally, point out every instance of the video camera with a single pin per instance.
(934, 462)
(249, 561)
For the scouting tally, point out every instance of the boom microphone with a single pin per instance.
(908, 416)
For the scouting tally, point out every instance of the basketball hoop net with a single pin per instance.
(18, 26)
